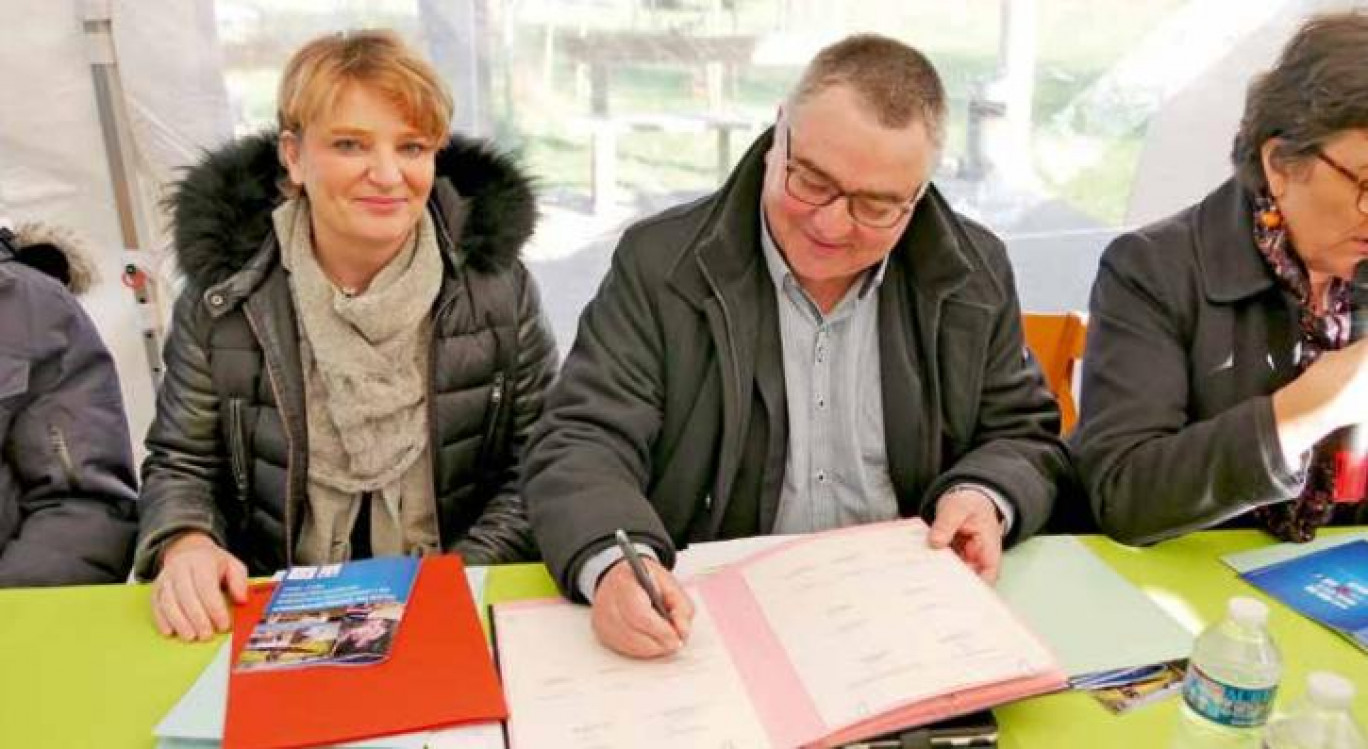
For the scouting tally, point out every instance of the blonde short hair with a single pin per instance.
(318, 73)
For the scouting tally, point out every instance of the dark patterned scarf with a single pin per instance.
(1328, 330)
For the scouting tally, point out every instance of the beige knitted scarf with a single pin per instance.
(364, 356)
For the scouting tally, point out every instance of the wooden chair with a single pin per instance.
(1057, 341)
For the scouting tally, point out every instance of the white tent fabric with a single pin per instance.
(1187, 145)
(53, 165)
(172, 72)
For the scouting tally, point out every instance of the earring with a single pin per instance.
(1271, 217)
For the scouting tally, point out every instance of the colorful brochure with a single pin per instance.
(1329, 586)
(332, 614)
(1125, 689)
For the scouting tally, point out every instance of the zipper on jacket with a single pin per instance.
(731, 349)
(63, 452)
(496, 390)
(237, 449)
(434, 335)
(272, 378)
(434, 447)
(496, 396)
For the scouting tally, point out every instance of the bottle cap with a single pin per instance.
(1329, 690)
(1247, 611)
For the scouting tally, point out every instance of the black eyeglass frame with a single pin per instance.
(1362, 203)
(903, 210)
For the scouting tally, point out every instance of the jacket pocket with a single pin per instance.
(237, 449)
(489, 446)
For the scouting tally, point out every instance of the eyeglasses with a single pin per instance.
(1362, 184)
(806, 187)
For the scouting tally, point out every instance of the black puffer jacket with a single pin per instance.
(228, 450)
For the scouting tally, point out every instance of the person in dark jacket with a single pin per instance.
(67, 491)
(822, 342)
(1217, 364)
(352, 371)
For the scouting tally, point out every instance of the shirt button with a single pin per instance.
(821, 477)
(821, 402)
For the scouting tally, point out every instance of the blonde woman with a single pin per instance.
(359, 352)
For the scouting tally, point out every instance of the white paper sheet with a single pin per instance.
(576, 694)
(940, 628)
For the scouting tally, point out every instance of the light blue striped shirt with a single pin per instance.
(836, 472)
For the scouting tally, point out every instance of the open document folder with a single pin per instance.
(821, 641)
(1090, 617)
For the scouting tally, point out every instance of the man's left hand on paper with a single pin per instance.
(968, 522)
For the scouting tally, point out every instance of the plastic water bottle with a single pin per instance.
(1231, 680)
(1321, 721)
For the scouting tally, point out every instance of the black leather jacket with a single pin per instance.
(228, 452)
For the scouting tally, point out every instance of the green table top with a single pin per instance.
(84, 667)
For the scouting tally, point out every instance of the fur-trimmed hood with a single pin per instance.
(222, 208)
(56, 251)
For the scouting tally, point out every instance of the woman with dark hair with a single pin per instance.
(359, 353)
(1218, 365)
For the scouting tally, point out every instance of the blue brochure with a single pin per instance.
(332, 614)
(1330, 586)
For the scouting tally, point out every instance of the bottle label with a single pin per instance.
(1226, 704)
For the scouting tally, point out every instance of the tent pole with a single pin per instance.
(138, 275)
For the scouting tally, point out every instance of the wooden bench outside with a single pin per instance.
(604, 132)
(602, 51)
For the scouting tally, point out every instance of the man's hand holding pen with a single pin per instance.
(624, 618)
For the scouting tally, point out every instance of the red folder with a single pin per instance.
(438, 674)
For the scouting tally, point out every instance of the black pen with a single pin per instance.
(642, 575)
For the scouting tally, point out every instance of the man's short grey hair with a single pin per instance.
(1318, 88)
(897, 84)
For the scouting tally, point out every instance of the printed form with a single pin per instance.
(816, 641)
(580, 695)
(939, 628)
